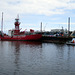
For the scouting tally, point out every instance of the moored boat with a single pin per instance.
(54, 38)
(17, 35)
(71, 42)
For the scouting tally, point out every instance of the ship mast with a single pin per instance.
(2, 23)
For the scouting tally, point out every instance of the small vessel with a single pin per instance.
(71, 42)
(17, 35)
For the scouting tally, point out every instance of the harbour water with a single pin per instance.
(36, 58)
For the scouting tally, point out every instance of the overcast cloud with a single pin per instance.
(38, 7)
(45, 7)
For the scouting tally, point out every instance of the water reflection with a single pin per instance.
(65, 59)
(36, 58)
(17, 55)
(17, 47)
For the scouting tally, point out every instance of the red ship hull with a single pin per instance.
(34, 37)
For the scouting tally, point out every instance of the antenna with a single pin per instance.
(2, 23)
(18, 16)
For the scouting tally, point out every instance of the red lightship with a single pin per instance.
(17, 35)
